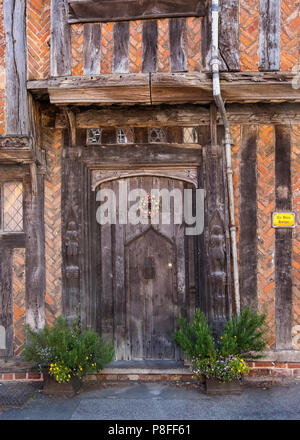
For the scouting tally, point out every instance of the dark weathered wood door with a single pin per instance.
(145, 278)
(151, 296)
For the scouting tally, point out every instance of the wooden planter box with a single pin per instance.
(215, 387)
(53, 388)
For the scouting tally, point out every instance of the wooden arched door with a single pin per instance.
(145, 278)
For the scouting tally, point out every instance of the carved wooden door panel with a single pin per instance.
(144, 278)
(151, 298)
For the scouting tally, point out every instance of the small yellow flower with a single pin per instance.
(87, 358)
(221, 337)
(234, 337)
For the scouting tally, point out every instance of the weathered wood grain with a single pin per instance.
(16, 96)
(248, 217)
(216, 231)
(134, 155)
(121, 47)
(11, 240)
(6, 306)
(91, 49)
(118, 10)
(180, 115)
(35, 254)
(283, 240)
(15, 155)
(72, 187)
(60, 54)
(167, 88)
(269, 35)
(150, 34)
(229, 42)
(177, 36)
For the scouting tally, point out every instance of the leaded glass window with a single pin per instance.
(11, 207)
(125, 135)
(190, 135)
(157, 135)
(94, 136)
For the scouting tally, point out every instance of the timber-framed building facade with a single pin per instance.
(96, 93)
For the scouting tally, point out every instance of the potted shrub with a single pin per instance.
(65, 353)
(222, 362)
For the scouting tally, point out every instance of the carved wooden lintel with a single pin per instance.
(186, 174)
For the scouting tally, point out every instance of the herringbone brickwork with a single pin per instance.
(18, 291)
(194, 44)
(163, 46)
(77, 49)
(38, 39)
(290, 34)
(2, 76)
(135, 46)
(266, 234)
(295, 167)
(52, 142)
(107, 47)
(249, 34)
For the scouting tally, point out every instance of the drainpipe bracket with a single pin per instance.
(228, 141)
(215, 8)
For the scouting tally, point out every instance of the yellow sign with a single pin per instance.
(283, 220)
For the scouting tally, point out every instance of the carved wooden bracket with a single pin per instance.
(71, 119)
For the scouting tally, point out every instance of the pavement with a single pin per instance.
(151, 401)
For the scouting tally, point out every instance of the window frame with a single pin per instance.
(2, 211)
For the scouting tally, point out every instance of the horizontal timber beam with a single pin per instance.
(186, 115)
(166, 88)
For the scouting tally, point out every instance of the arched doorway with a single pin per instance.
(144, 272)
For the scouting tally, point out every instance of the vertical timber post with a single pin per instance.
(217, 250)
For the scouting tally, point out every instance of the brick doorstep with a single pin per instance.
(282, 364)
(289, 371)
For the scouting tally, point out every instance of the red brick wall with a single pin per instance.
(38, 39)
(18, 289)
(52, 142)
(266, 234)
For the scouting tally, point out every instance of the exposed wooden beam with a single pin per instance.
(187, 115)
(15, 39)
(83, 11)
(15, 155)
(160, 88)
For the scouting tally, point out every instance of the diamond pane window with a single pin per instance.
(94, 136)
(12, 207)
(157, 135)
(190, 135)
(125, 136)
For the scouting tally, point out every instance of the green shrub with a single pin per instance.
(66, 350)
(243, 338)
(195, 339)
(245, 334)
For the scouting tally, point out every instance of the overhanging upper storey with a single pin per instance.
(87, 11)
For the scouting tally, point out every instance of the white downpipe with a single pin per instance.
(220, 104)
